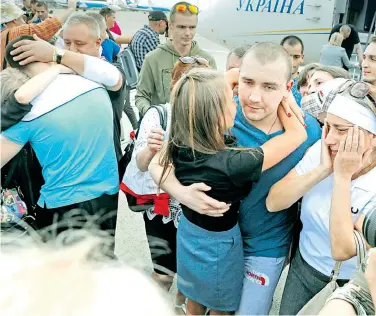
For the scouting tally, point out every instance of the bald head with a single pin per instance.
(345, 30)
(268, 53)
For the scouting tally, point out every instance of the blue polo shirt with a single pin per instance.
(74, 145)
(268, 234)
(295, 92)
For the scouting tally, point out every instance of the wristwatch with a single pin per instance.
(59, 55)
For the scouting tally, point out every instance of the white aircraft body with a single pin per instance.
(234, 22)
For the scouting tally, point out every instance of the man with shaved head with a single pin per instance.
(265, 79)
(234, 59)
(350, 39)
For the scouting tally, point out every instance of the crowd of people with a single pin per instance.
(237, 174)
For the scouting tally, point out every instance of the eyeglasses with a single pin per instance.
(184, 7)
(192, 60)
(358, 90)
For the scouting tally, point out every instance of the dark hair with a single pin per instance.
(173, 10)
(42, 4)
(106, 12)
(9, 48)
(292, 40)
(33, 2)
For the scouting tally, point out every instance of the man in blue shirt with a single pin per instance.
(295, 47)
(70, 128)
(264, 81)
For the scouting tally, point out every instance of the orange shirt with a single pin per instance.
(44, 30)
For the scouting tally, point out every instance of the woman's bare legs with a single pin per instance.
(194, 308)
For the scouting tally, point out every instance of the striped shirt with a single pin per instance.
(144, 41)
(44, 30)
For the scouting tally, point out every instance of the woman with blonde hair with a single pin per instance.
(160, 226)
(332, 54)
(210, 260)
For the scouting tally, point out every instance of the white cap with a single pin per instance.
(9, 12)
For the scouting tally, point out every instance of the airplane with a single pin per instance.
(136, 5)
(234, 22)
(148, 5)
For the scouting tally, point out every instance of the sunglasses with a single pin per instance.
(192, 60)
(184, 7)
(358, 90)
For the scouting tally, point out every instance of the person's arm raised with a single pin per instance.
(35, 85)
(64, 14)
(123, 39)
(290, 107)
(89, 67)
(292, 187)
(49, 27)
(192, 196)
(351, 158)
(281, 146)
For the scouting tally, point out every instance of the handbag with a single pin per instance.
(15, 216)
(316, 303)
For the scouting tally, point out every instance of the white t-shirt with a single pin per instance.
(141, 182)
(314, 242)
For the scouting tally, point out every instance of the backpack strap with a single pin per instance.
(162, 111)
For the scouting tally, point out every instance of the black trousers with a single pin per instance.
(97, 215)
(162, 244)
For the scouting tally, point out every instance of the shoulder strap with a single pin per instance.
(361, 249)
(335, 271)
(6, 43)
(162, 111)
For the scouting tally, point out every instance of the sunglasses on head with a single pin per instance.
(192, 60)
(358, 90)
(184, 7)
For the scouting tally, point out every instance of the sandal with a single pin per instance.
(183, 307)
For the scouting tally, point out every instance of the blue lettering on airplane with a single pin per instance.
(272, 6)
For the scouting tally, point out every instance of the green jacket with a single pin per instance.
(155, 77)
